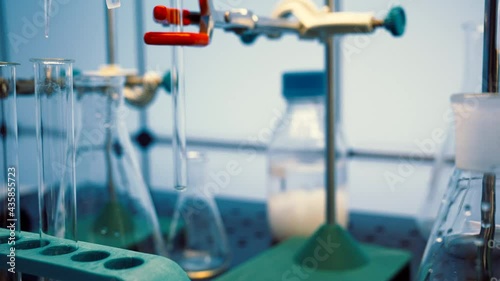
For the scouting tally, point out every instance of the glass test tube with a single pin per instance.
(10, 213)
(179, 105)
(47, 5)
(56, 148)
(9, 180)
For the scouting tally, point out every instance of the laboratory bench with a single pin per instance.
(248, 232)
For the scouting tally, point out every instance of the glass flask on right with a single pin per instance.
(464, 244)
(443, 168)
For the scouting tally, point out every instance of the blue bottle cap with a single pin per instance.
(303, 84)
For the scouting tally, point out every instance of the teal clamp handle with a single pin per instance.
(166, 82)
(395, 21)
(54, 259)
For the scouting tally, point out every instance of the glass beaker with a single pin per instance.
(465, 241)
(443, 168)
(9, 180)
(296, 155)
(198, 241)
(56, 148)
(114, 205)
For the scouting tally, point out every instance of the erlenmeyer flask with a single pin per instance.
(200, 246)
(114, 205)
(465, 242)
(442, 168)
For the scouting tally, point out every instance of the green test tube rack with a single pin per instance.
(53, 258)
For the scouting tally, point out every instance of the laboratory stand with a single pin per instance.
(95, 214)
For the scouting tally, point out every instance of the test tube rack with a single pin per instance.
(55, 258)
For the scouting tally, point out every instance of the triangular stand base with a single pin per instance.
(331, 248)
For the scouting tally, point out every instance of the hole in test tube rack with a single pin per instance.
(59, 250)
(31, 244)
(123, 263)
(90, 256)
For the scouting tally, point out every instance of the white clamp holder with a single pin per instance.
(308, 22)
(321, 23)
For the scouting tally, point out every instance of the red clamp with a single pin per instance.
(166, 15)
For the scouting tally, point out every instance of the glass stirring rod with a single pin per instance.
(46, 7)
(179, 107)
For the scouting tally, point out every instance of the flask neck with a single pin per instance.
(100, 101)
(100, 109)
(302, 126)
(306, 114)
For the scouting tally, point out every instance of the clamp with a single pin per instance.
(309, 22)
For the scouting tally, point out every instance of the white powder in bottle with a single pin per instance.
(300, 212)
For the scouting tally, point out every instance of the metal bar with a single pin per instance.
(330, 128)
(490, 54)
(490, 84)
(337, 64)
(110, 35)
(27, 87)
(141, 66)
(257, 147)
(4, 50)
(487, 233)
(139, 23)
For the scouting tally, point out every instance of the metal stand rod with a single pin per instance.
(4, 38)
(490, 84)
(330, 112)
(141, 66)
(487, 234)
(110, 35)
(490, 54)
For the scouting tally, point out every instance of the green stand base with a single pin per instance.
(311, 259)
(331, 248)
(57, 259)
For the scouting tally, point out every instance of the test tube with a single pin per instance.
(9, 215)
(46, 6)
(55, 133)
(179, 106)
(8, 137)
